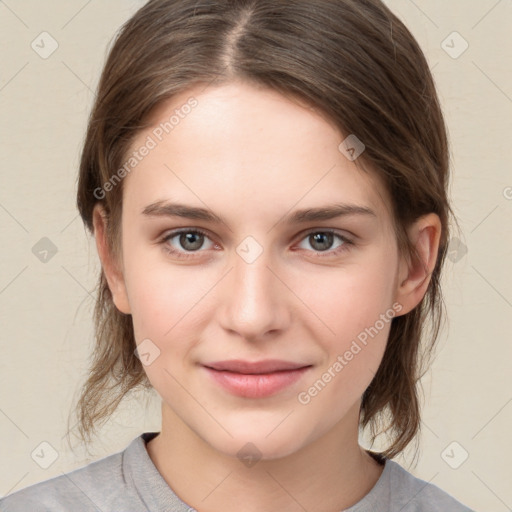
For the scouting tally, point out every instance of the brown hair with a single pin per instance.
(352, 60)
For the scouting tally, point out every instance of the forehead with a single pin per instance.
(240, 143)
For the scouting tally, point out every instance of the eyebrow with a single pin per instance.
(328, 212)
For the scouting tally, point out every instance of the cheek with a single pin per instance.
(350, 300)
(163, 296)
(166, 305)
(355, 307)
(353, 361)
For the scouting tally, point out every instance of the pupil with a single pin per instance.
(189, 238)
(318, 238)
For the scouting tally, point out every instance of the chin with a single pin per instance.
(252, 443)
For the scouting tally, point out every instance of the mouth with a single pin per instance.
(255, 379)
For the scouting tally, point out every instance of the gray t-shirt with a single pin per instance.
(128, 481)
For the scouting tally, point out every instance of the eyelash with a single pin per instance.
(319, 254)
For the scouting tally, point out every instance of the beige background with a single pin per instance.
(46, 307)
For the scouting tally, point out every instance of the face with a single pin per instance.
(250, 279)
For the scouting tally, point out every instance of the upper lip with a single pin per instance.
(248, 367)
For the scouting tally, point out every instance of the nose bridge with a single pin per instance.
(254, 301)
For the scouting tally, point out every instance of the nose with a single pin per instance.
(255, 301)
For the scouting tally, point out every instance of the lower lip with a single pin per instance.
(256, 385)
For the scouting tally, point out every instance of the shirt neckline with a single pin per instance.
(158, 496)
(154, 492)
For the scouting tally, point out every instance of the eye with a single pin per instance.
(184, 243)
(322, 241)
(186, 240)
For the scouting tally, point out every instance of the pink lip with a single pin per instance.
(255, 379)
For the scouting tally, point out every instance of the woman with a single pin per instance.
(266, 184)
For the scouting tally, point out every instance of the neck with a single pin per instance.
(331, 473)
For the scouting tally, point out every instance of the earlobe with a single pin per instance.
(414, 275)
(111, 267)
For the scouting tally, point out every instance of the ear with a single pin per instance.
(414, 276)
(111, 267)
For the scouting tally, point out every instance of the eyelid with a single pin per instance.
(343, 233)
(339, 232)
(347, 242)
(168, 235)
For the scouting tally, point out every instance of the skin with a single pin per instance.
(253, 156)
